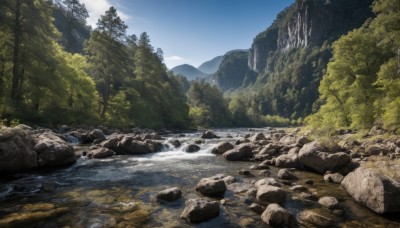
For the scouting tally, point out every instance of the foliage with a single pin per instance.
(360, 88)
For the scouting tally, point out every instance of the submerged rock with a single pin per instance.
(380, 193)
(200, 210)
(278, 216)
(308, 218)
(170, 194)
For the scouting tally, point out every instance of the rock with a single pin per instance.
(129, 146)
(287, 161)
(277, 216)
(200, 210)
(192, 148)
(380, 193)
(286, 175)
(96, 134)
(53, 151)
(209, 135)
(308, 218)
(308, 196)
(329, 202)
(334, 178)
(309, 182)
(265, 173)
(257, 208)
(267, 194)
(321, 162)
(298, 188)
(270, 149)
(49, 187)
(257, 137)
(267, 181)
(170, 194)
(239, 153)
(374, 150)
(288, 140)
(175, 142)
(302, 140)
(101, 152)
(222, 147)
(244, 172)
(211, 187)
(24, 127)
(338, 212)
(16, 153)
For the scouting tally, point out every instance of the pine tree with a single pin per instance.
(76, 14)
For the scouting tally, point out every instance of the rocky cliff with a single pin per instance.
(307, 23)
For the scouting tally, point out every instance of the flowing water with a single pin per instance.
(121, 192)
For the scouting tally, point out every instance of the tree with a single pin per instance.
(76, 14)
(107, 56)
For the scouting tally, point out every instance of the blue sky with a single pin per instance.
(193, 31)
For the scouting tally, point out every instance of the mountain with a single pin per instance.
(233, 71)
(210, 67)
(189, 71)
(290, 57)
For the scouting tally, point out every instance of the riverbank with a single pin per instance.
(120, 187)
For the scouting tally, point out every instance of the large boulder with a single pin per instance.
(211, 186)
(277, 216)
(287, 161)
(209, 135)
(200, 210)
(130, 146)
(191, 148)
(241, 152)
(170, 194)
(53, 151)
(267, 194)
(96, 134)
(311, 156)
(376, 191)
(288, 140)
(222, 147)
(16, 153)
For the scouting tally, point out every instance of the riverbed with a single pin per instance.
(121, 191)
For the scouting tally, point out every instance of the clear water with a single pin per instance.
(121, 192)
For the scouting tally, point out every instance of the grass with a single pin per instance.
(384, 166)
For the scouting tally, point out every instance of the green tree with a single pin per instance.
(77, 14)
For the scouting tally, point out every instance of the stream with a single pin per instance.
(121, 192)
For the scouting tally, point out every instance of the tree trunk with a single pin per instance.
(105, 98)
(15, 93)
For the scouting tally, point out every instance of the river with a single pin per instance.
(121, 192)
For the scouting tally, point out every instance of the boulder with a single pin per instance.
(170, 194)
(270, 149)
(257, 137)
(192, 148)
(240, 152)
(175, 142)
(267, 181)
(277, 216)
(374, 149)
(209, 135)
(376, 191)
(288, 140)
(302, 140)
(321, 162)
(16, 153)
(329, 202)
(129, 146)
(96, 134)
(287, 161)
(267, 194)
(222, 147)
(200, 210)
(53, 151)
(257, 208)
(286, 175)
(334, 178)
(211, 187)
(101, 152)
(308, 218)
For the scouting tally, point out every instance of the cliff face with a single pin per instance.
(307, 23)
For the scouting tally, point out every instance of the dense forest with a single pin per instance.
(55, 69)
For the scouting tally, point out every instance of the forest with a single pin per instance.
(55, 69)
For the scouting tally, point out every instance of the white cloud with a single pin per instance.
(97, 8)
(174, 58)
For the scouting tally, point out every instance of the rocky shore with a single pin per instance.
(368, 168)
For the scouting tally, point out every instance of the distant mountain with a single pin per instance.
(210, 67)
(189, 71)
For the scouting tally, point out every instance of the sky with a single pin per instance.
(193, 31)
